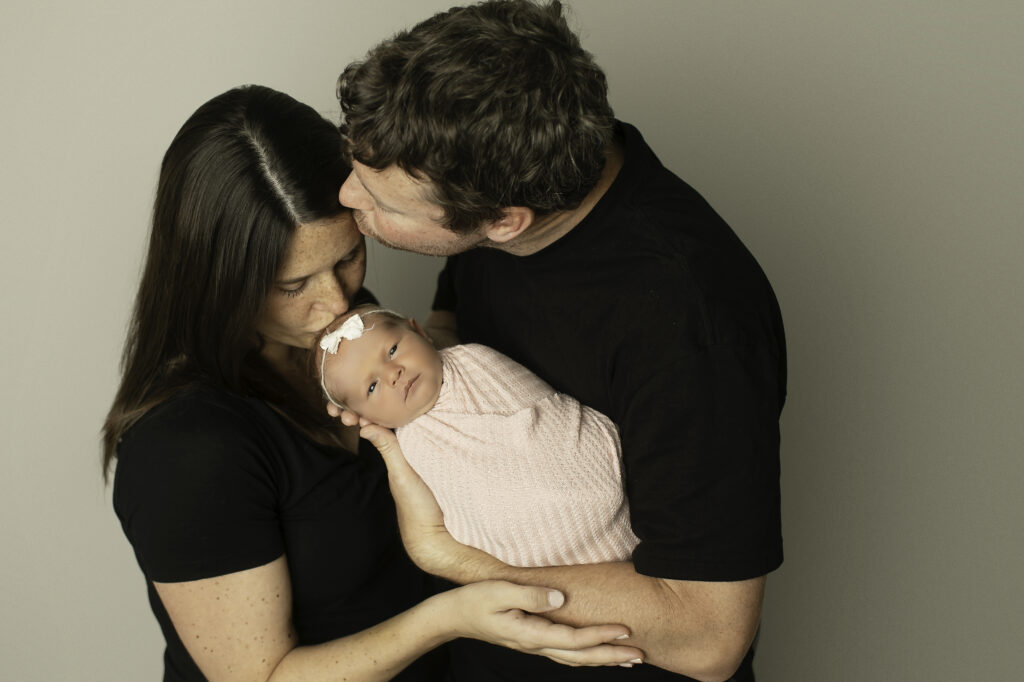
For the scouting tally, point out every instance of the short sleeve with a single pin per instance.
(700, 444)
(194, 490)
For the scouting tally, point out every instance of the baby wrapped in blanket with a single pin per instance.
(519, 470)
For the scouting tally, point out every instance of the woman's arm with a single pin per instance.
(238, 627)
(700, 629)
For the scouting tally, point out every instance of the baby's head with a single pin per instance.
(379, 365)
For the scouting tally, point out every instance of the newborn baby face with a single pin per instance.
(390, 375)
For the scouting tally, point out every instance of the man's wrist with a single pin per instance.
(464, 564)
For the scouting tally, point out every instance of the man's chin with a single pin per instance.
(360, 220)
(385, 243)
(367, 232)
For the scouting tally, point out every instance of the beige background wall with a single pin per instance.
(869, 153)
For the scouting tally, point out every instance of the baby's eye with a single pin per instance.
(372, 388)
(394, 349)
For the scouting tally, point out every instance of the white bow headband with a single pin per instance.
(352, 328)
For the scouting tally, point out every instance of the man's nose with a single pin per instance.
(353, 194)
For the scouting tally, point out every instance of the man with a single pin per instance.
(484, 134)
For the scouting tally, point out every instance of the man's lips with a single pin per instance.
(408, 386)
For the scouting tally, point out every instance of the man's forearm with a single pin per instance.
(699, 629)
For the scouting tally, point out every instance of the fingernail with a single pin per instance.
(555, 598)
(637, 660)
(625, 665)
(622, 637)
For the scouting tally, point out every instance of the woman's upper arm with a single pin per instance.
(235, 626)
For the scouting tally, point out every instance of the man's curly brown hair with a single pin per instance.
(496, 104)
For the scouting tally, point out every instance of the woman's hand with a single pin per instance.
(420, 519)
(503, 613)
(347, 417)
(494, 611)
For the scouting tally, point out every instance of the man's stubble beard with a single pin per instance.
(463, 243)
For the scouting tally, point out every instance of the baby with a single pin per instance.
(520, 471)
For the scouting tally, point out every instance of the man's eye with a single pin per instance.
(394, 349)
(372, 388)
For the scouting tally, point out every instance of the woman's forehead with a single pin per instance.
(320, 244)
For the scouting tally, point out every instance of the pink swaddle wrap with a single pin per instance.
(520, 471)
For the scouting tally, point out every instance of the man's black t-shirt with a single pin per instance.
(653, 312)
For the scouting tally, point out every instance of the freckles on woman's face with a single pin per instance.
(323, 269)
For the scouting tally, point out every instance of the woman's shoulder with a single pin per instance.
(201, 431)
(196, 412)
(195, 486)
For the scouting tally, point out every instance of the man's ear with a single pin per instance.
(514, 221)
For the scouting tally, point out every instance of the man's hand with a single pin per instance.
(504, 613)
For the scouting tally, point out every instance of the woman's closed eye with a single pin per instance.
(293, 288)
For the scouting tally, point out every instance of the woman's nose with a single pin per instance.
(353, 195)
(332, 297)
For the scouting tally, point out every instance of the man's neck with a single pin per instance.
(550, 228)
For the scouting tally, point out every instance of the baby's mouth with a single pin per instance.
(408, 386)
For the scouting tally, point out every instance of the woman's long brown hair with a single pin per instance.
(245, 170)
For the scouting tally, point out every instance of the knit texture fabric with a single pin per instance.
(520, 471)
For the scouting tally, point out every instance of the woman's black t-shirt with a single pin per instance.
(211, 483)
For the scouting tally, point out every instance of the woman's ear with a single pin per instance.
(514, 221)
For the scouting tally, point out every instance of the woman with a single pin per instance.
(270, 548)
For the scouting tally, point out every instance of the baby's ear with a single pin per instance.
(419, 330)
